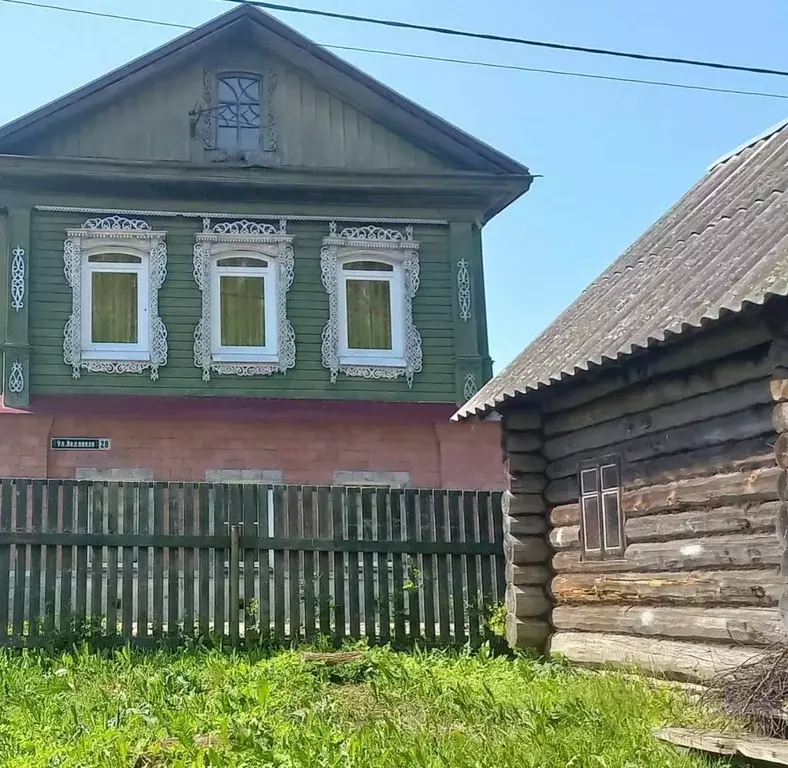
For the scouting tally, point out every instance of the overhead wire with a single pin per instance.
(427, 57)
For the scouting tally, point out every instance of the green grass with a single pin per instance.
(430, 710)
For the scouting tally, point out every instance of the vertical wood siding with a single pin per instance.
(179, 304)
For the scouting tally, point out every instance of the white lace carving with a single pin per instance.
(269, 124)
(469, 388)
(16, 378)
(18, 279)
(464, 289)
(116, 222)
(393, 244)
(147, 242)
(274, 244)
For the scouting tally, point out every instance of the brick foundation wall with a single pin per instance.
(436, 454)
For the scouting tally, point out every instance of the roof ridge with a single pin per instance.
(766, 135)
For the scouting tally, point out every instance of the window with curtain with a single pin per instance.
(601, 521)
(244, 308)
(371, 309)
(116, 303)
(238, 113)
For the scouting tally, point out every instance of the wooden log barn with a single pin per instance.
(646, 437)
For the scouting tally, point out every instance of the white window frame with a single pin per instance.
(244, 239)
(389, 246)
(120, 236)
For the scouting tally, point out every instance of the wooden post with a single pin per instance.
(526, 531)
(234, 585)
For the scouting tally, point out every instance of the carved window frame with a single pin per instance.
(102, 235)
(259, 240)
(370, 243)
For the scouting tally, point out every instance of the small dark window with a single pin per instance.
(238, 113)
(601, 523)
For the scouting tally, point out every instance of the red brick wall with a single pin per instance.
(444, 454)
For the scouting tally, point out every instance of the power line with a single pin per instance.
(426, 57)
(517, 40)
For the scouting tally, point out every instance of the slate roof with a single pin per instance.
(723, 246)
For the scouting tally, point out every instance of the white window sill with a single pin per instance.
(116, 354)
(378, 362)
(244, 357)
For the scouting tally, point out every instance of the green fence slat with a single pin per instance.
(6, 510)
(158, 558)
(398, 581)
(382, 498)
(415, 568)
(496, 499)
(96, 555)
(368, 531)
(203, 524)
(113, 523)
(353, 575)
(264, 504)
(294, 530)
(143, 560)
(20, 575)
(81, 587)
(442, 534)
(337, 514)
(234, 519)
(471, 535)
(487, 561)
(127, 593)
(457, 569)
(280, 528)
(188, 559)
(66, 525)
(50, 569)
(174, 498)
(220, 555)
(308, 532)
(427, 577)
(34, 588)
(324, 529)
(249, 518)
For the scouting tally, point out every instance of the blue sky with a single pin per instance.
(612, 156)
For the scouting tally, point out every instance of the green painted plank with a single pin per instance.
(383, 562)
(500, 560)
(264, 559)
(189, 554)
(368, 533)
(487, 561)
(338, 521)
(457, 569)
(203, 523)
(50, 571)
(280, 528)
(441, 534)
(6, 498)
(249, 518)
(113, 517)
(97, 492)
(234, 519)
(415, 569)
(80, 598)
(220, 555)
(130, 491)
(67, 559)
(471, 535)
(352, 502)
(426, 523)
(20, 576)
(174, 499)
(324, 530)
(294, 530)
(143, 560)
(34, 588)
(398, 581)
(158, 559)
(308, 519)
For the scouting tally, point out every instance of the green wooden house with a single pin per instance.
(239, 257)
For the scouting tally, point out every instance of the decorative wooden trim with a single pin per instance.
(17, 278)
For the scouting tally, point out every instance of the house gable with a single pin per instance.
(323, 112)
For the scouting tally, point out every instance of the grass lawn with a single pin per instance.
(458, 710)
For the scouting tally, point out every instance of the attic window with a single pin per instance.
(601, 521)
(238, 113)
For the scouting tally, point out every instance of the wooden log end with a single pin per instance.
(526, 550)
(522, 419)
(525, 525)
(779, 389)
(527, 574)
(526, 602)
(526, 633)
(515, 504)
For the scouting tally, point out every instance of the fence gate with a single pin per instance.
(148, 561)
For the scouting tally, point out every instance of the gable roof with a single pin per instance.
(722, 247)
(399, 113)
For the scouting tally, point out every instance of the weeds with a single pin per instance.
(425, 709)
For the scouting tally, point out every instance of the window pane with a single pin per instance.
(368, 266)
(591, 523)
(249, 138)
(609, 477)
(227, 137)
(242, 261)
(242, 303)
(368, 314)
(114, 298)
(114, 258)
(589, 480)
(612, 520)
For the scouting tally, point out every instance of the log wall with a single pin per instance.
(698, 586)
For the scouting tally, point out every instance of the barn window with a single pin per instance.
(601, 523)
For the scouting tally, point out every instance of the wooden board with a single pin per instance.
(773, 751)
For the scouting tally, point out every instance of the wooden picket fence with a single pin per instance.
(148, 562)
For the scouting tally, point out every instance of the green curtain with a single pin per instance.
(114, 299)
(242, 301)
(369, 314)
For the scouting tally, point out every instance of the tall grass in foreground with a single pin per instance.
(430, 710)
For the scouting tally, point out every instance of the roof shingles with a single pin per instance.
(723, 245)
